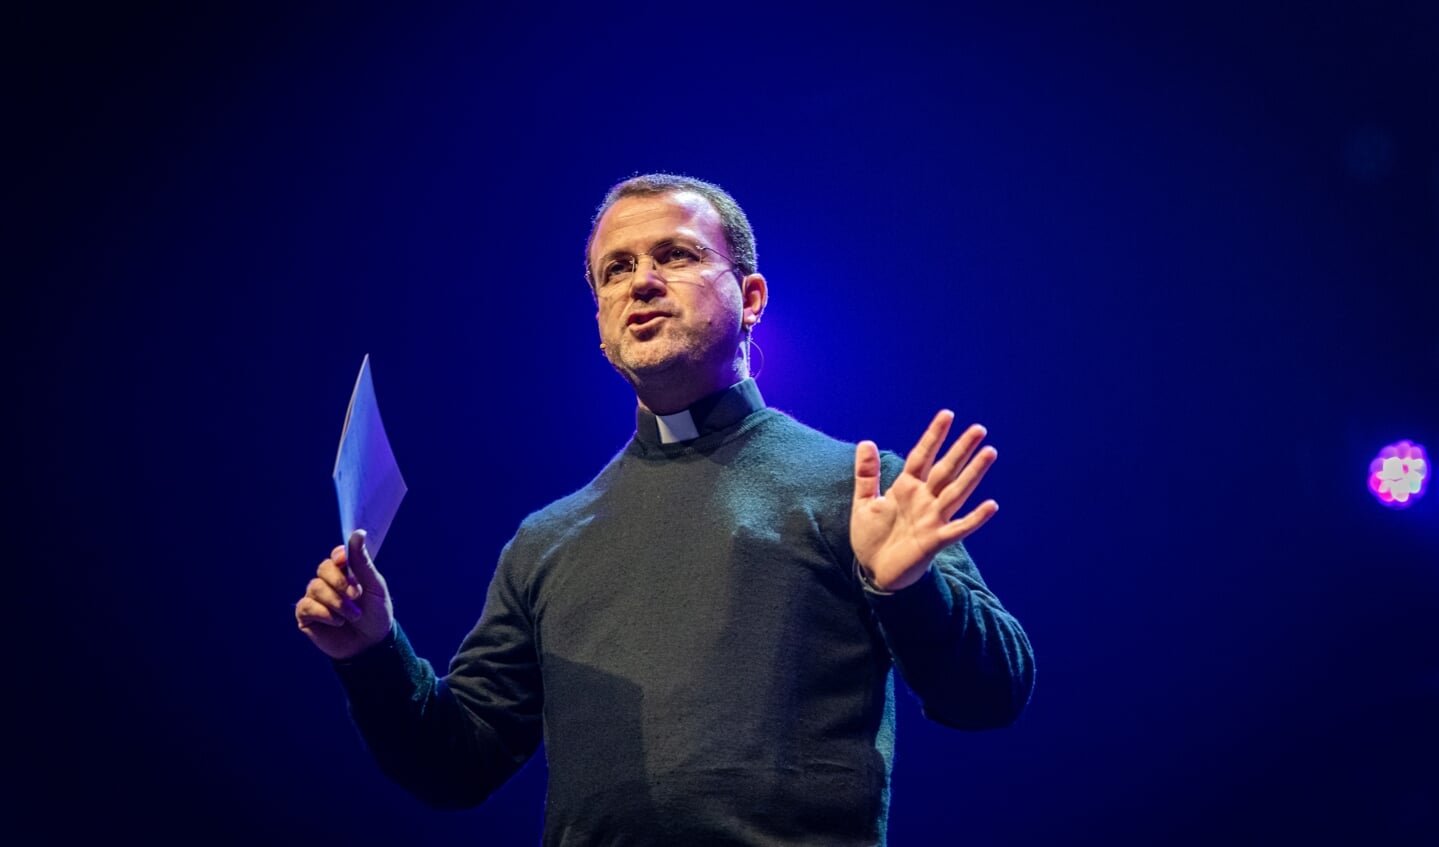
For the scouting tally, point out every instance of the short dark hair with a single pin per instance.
(739, 238)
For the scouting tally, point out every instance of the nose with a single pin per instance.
(647, 282)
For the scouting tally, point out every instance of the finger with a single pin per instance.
(921, 458)
(866, 471)
(321, 593)
(361, 565)
(339, 578)
(309, 613)
(949, 500)
(949, 467)
(341, 558)
(965, 526)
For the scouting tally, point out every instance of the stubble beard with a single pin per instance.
(672, 353)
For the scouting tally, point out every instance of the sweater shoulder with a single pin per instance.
(823, 452)
(800, 448)
(783, 431)
(549, 526)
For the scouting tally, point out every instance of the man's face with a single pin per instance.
(662, 323)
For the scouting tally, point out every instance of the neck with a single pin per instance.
(667, 396)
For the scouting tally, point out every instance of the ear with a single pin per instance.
(754, 291)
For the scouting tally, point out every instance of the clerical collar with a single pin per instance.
(719, 410)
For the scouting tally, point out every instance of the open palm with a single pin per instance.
(895, 535)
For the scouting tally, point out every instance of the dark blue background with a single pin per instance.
(1183, 264)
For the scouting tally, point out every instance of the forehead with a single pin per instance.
(633, 224)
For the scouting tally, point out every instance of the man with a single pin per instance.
(704, 635)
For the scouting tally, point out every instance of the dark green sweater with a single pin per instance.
(689, 636)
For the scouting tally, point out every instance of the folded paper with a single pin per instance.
(367, 478)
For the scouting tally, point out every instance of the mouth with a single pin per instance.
(645, 320)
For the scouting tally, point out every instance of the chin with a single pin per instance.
(648, 354)
(647, 366)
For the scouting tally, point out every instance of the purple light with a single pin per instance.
(1399, 475)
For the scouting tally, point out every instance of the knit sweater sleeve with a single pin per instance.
(451, 741)
(962, 654)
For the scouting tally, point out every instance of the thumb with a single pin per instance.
(866, 471)
(357, 556)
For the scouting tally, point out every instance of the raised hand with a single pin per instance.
(346, 610)
(897, 534)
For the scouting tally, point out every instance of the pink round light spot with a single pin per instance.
(1399, 475)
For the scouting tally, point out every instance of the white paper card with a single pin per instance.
(367, 478)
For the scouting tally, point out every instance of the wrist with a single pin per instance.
(876, 586)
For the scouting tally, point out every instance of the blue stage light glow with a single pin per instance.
(1399, 475)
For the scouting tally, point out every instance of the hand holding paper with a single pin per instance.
(346, 608)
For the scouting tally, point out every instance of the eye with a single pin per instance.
(615, 269)
(676, 255)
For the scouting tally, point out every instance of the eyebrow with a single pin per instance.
(600, 261)
(669, 239)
